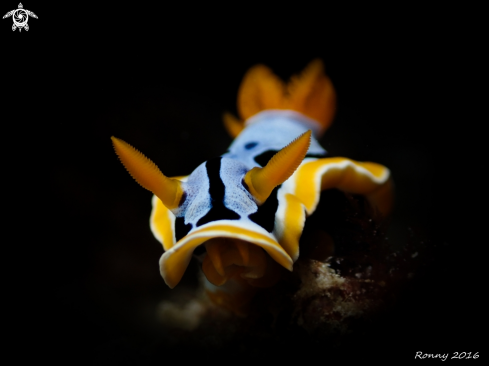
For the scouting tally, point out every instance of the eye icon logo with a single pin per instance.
(20, 17)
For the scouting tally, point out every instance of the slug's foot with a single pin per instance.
(234, 269)
(234, 296)
(232, 258)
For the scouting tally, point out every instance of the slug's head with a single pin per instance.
(223, 205)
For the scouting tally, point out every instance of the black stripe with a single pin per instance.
(265, 216)
(250, 145)
(216, 191)
(181, 229)
(265, 157)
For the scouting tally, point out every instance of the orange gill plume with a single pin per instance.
(310, 93)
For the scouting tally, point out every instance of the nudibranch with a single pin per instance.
(243, 213)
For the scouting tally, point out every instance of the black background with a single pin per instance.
(80, 266)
